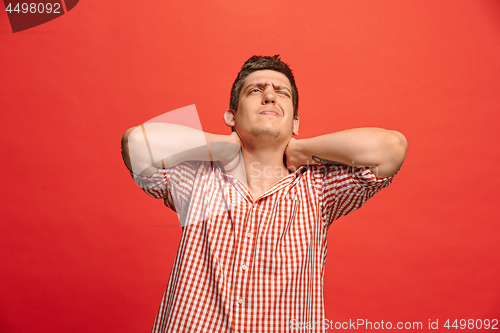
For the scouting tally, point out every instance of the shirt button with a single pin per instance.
(249, 234)
(240, 301)
(244, 267)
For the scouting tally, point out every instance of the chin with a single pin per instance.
(266, 132)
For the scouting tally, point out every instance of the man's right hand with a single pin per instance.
(229, 154)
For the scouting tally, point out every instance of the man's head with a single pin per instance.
(264, 101)
(258, 63)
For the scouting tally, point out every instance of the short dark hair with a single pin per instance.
(259, 63)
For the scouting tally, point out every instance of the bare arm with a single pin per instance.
(150, 146)
(381, 149)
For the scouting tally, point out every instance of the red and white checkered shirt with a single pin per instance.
(245, 266)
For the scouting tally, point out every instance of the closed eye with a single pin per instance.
(283, 92)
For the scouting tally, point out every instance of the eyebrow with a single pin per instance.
(262, 85)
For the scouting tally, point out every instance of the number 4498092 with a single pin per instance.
(35, 8)
(472, 324)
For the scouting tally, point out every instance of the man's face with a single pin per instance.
(265, 108)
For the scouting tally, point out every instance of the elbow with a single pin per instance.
(128, 135)
(396, 146)
(399, 145)
(126, 138)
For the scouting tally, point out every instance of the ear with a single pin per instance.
(229, 117)
(296, 126)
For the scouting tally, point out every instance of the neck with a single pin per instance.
(263, 167)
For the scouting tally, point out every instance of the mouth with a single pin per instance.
(270, 113)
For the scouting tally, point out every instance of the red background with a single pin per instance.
(84, 250)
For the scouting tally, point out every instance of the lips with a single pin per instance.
(270, 112)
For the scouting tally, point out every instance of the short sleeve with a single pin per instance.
(345, 189)
(173, 185)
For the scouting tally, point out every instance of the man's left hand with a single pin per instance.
(294, 158)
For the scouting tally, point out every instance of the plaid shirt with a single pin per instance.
(245, 266)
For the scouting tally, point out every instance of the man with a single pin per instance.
(255, 205)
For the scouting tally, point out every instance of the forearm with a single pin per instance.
(381, 149)
(159, 145)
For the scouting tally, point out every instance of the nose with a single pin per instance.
(269, 96)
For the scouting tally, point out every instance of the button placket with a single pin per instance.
(244, 257)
